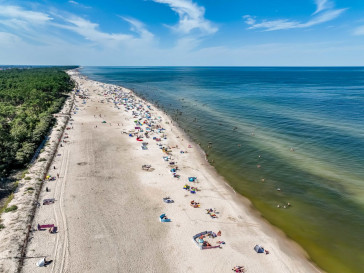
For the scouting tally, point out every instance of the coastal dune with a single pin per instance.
(107, 209)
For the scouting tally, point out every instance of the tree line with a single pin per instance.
(28, 100)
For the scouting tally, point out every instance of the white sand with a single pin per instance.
(107, 208)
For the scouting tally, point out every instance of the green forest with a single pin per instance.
(28, 100)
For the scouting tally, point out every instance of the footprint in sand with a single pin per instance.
(82, 163)
(232, 219)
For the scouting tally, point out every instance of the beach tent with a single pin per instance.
(259, 249)
(41, 262)
(163, 218)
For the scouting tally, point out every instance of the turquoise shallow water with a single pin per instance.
(297, 129)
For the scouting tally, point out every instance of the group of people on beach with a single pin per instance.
(142, 115)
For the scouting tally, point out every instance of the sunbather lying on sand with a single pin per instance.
(195, 204)
(238, 269)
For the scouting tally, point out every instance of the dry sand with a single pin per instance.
(107, 208)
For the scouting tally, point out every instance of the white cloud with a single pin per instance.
(359, 31)
(324, 13)
(42, 28)
(20, 14)
(138, 27)
(90, 31)
(8, 38)
(28, 24)
(191, 16)
(249, 20)
(323, 17)
(78, 4)
(323, 5)
(270, 25)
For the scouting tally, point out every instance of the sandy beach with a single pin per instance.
(107, 208)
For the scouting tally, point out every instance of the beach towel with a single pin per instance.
(42, 227)
(48, 201)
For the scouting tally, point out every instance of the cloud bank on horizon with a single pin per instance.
(182, 32)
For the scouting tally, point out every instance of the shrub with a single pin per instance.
(23, 174)
(12, 208)
(10, 197)
(27, 178)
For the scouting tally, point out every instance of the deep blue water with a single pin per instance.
(303, 126)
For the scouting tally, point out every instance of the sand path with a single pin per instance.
(107, 209)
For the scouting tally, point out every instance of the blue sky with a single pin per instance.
(183, 32)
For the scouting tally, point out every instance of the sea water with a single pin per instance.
(279, 136)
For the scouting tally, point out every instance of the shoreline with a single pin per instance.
(92, 165)
(239, 198)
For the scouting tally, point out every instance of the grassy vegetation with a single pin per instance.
(24, 173)
(3, 208)
(11, 208)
